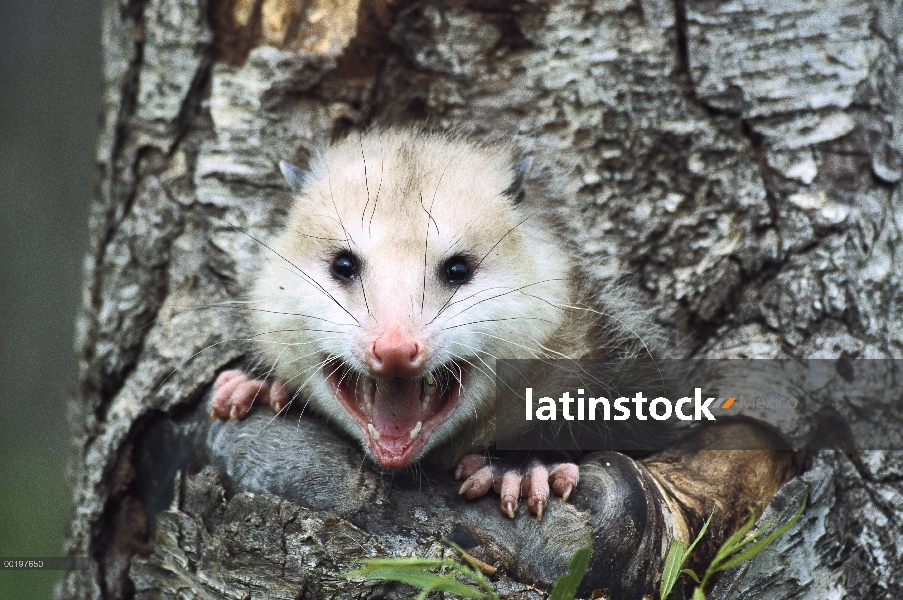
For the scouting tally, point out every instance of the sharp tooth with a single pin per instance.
(373, 432)
(426, 402)
(368, 395)
(416, 431)
(429, 379)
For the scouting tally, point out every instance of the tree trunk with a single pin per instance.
(742, 159)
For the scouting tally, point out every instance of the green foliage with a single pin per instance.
(419, 573)
(676, 559)
(737, 549)
(466, 581)
(566, 585)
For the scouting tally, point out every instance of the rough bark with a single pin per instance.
(742, 159)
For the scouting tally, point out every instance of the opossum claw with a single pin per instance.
(564, 478)
(470, 464)
(235, 392)
(509, 490)
(536, 485)
(478, 483)
(535, 488)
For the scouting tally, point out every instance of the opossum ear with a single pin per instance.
(516, 189)
(295, 177)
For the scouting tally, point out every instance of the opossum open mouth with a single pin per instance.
(397, 416)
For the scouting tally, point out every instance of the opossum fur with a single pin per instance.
(410, 211)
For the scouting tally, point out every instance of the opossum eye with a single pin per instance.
(344, 266)
(457, 270)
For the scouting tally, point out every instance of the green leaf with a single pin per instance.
(473, 571)
(566, 585)
(427, 581)
(697, 594)
(426, 592)
(371, 564)
(698, 537)
(692, 574)
(760, 545)
(676, 559)
(731, 544)
(671, 572)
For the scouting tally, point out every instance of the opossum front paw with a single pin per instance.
(234, 392)
(532, 483)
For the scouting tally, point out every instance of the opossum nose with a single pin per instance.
(396, 354)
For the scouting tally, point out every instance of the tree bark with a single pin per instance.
(743, 160)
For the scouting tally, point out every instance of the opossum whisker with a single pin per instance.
(313, 282)
(602, 314)
(181, 310)
(275, 362)
(296, 267)
(465, 397)
(477, 293)
(344, 375)
(426, 245)
(270, 372)
(511, 291)
(209, 347)
(314, 368)
(306, 316)
(315, 237)
(492, 375)
(363, 212)
(429, 220)
(479, 262)
(533, 351)
(292, 344)
(460, 236)
(366, 180)
(496, 321)
(364, 293)
(563, 356)
(324, 363)
(188, 309)
(348, 238)
(295, 329)
(479, 351)
(303, 356)
(254, 338)
(490, 372)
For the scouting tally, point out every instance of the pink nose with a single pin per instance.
(395, 354)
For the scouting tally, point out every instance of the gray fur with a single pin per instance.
(295, 177)
(521, 170)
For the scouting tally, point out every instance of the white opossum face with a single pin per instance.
(406, 270)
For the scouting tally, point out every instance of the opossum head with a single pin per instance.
(407, 267)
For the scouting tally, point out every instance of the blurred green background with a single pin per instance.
(50, 83)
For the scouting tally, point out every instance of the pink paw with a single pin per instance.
(234, 393)
(513, 484)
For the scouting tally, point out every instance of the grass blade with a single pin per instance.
(427, 581)
(698, 537)
(566, 585)
(671, 572)
(761, 544)
(734, 542)
(371, 564)
(691, 574)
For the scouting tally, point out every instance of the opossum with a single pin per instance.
(410, 262)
